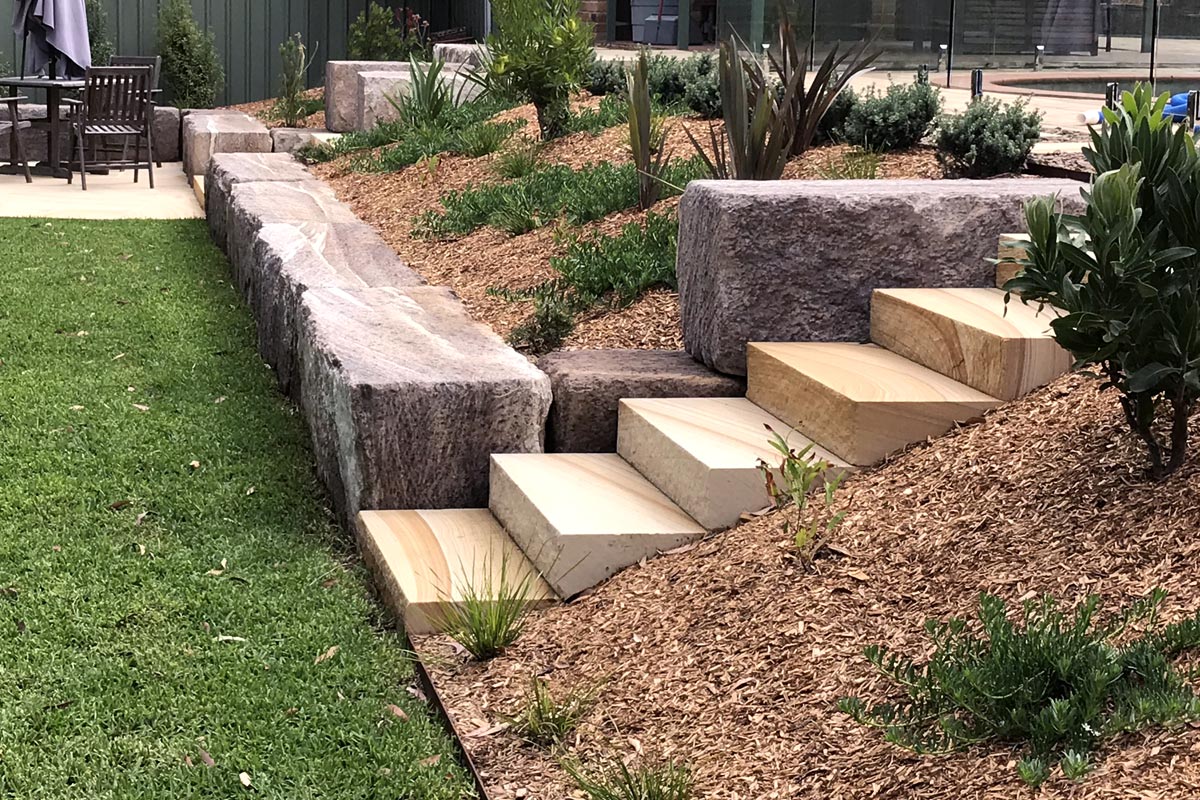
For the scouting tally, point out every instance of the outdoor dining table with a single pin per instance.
(54, 88)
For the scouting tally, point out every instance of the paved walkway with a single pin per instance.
(113, 196)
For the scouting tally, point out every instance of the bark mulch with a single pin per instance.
(262, 110)
(730, 657)
(489, 258)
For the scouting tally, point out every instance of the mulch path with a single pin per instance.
(731, 658)
(487, 258)
(262, 110)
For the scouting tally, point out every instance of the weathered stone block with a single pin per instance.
(290, 259)
(589, 385)
(167, 131)
(205, 134)
(341, 90)
(407, 398)
(253, 205)
(472, 55)
(798, 260)
(289, 140)
(227, 169)
(376, 87)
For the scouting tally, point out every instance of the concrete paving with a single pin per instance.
(113, 196)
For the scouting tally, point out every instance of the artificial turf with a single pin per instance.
(179, 613)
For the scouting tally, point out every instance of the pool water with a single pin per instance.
(1097, 85)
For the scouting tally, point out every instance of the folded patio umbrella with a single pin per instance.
(54, 29)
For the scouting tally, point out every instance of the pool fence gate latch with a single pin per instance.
(976, 84)
(1193, 100)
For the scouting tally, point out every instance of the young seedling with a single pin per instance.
(547, 721)
(800, 473)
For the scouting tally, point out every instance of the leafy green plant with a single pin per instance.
(855, 164)
(702, 86)
(485, 138)
(378, 34)
(668, 781)
(800, 472)
(491, 613)
(895, 120)
(1060, 683)
(100, 42)
(1125, 275)
(520, 159)
(191, 71)
(518, 212)
(646, 140)
(612, 111)
(987, 139)
(290, 106)
(540, 52)
(552, 320)
(546, 720)
(832, 127)
(605, 76)
(428, 97)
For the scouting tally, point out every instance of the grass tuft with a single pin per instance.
(669, 781)
(491, 613)
(547, 721)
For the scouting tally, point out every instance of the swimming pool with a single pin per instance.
(1096, 86)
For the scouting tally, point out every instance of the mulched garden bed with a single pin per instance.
(730, 657)
(262, 110)
(489, 258)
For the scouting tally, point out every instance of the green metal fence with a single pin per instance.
(248, 33)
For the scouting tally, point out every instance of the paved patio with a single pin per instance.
(113, 196)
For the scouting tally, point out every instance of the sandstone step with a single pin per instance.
(703, 452)
(581, 517)
(424, 560)
(858, 400)
(1012, 245)
(972, 336)
(198, 189)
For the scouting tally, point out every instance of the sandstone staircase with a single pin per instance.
(684, 467)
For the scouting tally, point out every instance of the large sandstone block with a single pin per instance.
(407, 397)
(590, 384)
(472, 55)
(289, 140)
(798, 260)
(227, 169)
(377, 90)
(253, 205)
(341, 90)
(290, 259)
(206, 134)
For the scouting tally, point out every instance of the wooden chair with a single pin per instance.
(155, 63)
(116, 103)
(14, 125)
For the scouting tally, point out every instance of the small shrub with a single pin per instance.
(485, 138)
(290, 106)
(669, 781)
(800, 474)
(98, 39)
(987, 139)
(665, 76)
(490, 615)
(547, 721)
(855, 165)
(606, 77)
(895, 120)
(541, 51)
(191, 71)
(428, 97)
(702, 86)
(552, 320)
(520, 159)
(832, 127)
(1060, 683)
(379, 34)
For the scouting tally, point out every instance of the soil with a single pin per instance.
(730, 657)
(262, 110)
(488, 258)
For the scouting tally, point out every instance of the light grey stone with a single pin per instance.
(205, 134)
(798, 260)
(227, 169)
(472, 55)
(341, 90)
(590, 384)
(289, 140)
(376, 87)
(407, 398)
(167, 132)
(290, 259)
(253, 205)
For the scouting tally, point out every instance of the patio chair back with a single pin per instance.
(117, 98)
(154, 62)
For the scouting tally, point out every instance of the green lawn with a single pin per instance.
(169, 571)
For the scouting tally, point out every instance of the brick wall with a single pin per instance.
(595, 13)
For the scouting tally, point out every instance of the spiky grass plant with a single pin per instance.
(519, 159)
(1059, 684)
(491, 613)
(429, 95)
(485, 138)
(647, 140)
(854, 165)
(668, 781)
(547, 721)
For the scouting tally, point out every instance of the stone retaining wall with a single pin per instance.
(166, 133)
(798, 260)
(406, 396)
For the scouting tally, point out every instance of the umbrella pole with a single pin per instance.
(24, 51)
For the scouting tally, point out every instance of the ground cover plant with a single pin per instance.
(1058, 685)
(179, 607)
(1125, 274)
